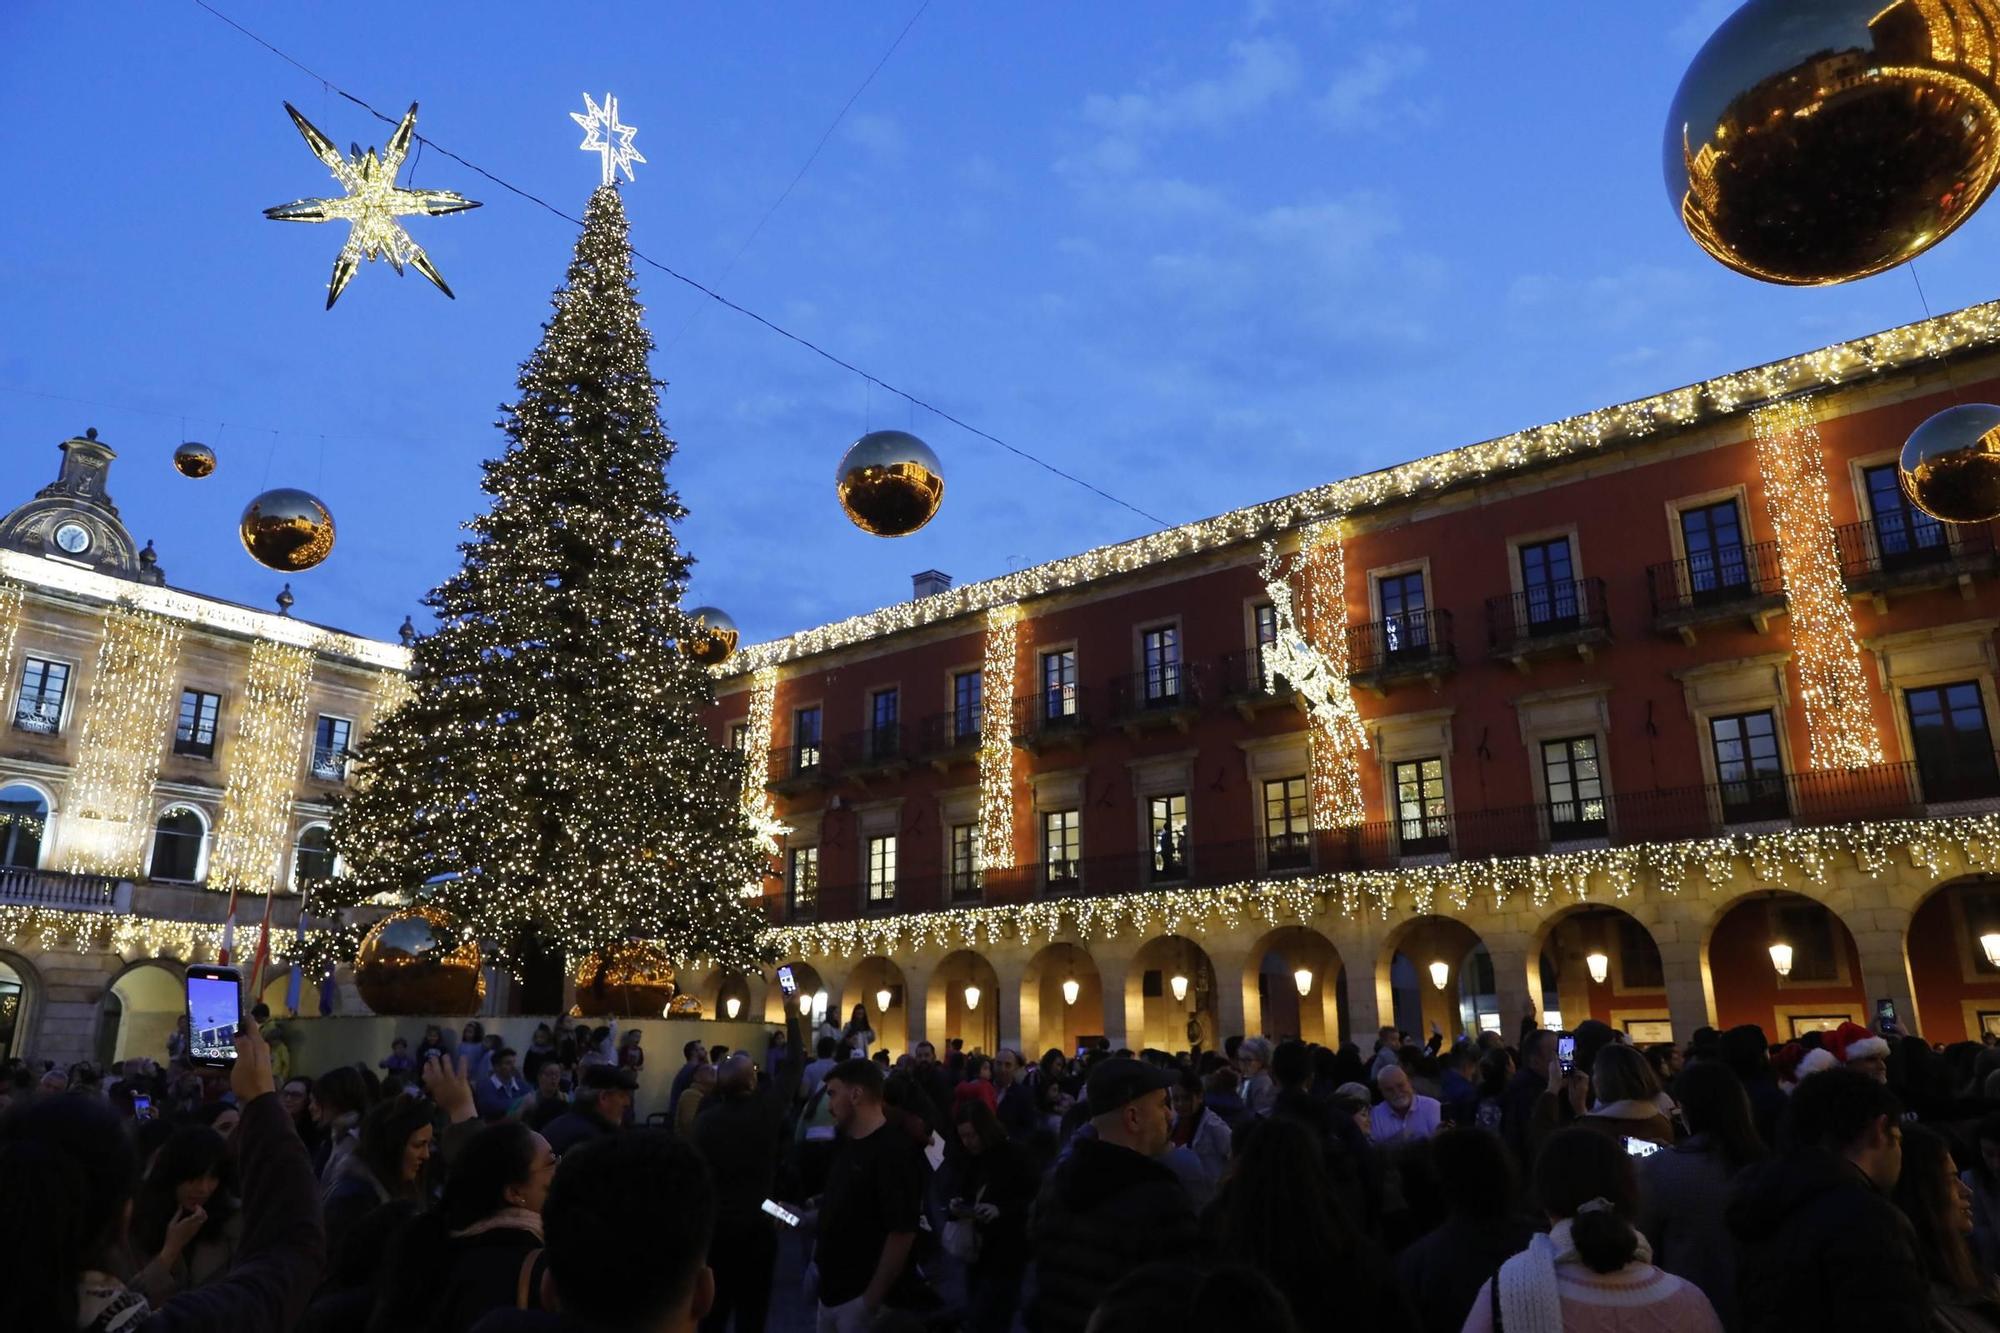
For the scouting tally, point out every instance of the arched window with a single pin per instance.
(24, 823)
(179, 840)
(312, 855)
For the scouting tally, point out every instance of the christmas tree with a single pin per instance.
(550, 783)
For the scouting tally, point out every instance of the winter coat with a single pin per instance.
(1629, 1120)
(1105, 1213)
(1822, 1249)
(1683, 1194)
(1444, 1270)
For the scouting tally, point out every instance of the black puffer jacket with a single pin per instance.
(1106, 1212)
(1824, 1250)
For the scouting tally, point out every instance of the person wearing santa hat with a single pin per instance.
(1851, 1045)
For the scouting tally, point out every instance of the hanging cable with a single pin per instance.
(698, 286)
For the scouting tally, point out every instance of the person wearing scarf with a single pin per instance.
(1593, 1271)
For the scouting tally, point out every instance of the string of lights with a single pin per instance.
(997, 671)
(11, 595)
(707, 291)
(1833, 685)
(758, 807)
(1310, 652)
(264, 763)
(119, 748)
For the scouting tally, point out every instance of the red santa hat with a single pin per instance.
(1851, 1042)
(1813, 1061)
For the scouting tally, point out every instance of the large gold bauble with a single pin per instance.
(194, 459)
(416, 962)
(1950, 465)
(1818, 141)
(286, 530)
(714, 639)
(890, 483)
(634, 979)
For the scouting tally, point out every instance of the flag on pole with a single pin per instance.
(295, 983)
(228, 933)
(262, 957)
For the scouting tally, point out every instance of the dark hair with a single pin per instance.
(190, 1153)
(973, 1111)
(826, 1047)
(1386, 1031)
(496, 1156)
(1495, 1068)
(1577, 1166)
(68, 1155)
(863, 1074)
(1660, 1055)
(506, 1051)
(1927, 1194)
(1291, 1064)
(1169, 1298)
(341, 1089)
(260, 1011)
(385, 1133)
(1744, 1049)
(1621, 1074)
(1475, 1173)
(1715, 1103)
(603, 1217)
(1835, 1108)
(1277, 1213)
(691, 1049)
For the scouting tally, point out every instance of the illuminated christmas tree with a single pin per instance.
(551, 784)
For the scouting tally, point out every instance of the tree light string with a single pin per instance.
(758, 807)
(1974, 327)
(1833, 686)
(123, 737)
(264, 764)
(997, 672)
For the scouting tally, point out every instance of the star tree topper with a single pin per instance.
(371, 205)
(600, 128)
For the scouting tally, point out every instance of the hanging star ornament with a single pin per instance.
(371, 205)
(600, 129)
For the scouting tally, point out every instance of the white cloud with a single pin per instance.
(880, 136)
(1261, 71)
(1358, 97)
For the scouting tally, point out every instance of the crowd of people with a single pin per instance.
(1570, 1181)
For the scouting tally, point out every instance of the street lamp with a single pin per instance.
(1600, 967)
(1180, 985)
(805, 1005)
(1781, 959)
(1303, 979)
(1440, 973)
(1991, 943)
(733, 1005)
(882, 998)
(1071, 990)
(972, 997)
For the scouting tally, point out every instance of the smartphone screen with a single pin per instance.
(215, 1008)
(782, 1213)
(1640, 1147)
(142, 1107)
(1566, 1052)
(786, 981)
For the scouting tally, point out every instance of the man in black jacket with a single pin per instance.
(740, 1133)
(1823, 1248)
(1111, 1207)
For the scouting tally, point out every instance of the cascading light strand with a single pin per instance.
(996, 737)
(1310, 652)
(123, 738)
(265, 760)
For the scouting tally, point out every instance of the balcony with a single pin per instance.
(875, 753)
(1161, 696)
(965, 886)
(40, 720)
(1897, 552)
(1052, 719)
(1415, 646)
(800, 767)
(948, 739)
(24, 887)
(1251, 687)
(1737, 583)
(329, 765)
(1552, 619)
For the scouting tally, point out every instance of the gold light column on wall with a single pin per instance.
(996, 738)
(118, 749)
(10, 623)
(264, 765)
(1310, 652)
(1833, 686)
(757, 806)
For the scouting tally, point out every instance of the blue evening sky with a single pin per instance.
(1200, 253)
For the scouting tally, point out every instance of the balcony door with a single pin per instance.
(1575, 788)
(1548, 586)
(1954, 746)
(1712, 536)
(1406, 632)
(1904, 534)
(1747, 767)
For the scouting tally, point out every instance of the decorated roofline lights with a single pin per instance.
(1974, 327)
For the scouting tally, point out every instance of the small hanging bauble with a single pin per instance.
(416, 962)
(286, 530)
(1820, 141)
(890, 483)
(194, 460)
(1950, 466)
(714, 639)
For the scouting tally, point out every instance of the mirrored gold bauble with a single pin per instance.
(634, 979)
(1950, 466)
(890, 483)
(416, 962)
(715, 637)
(1820, 141)
(684, 1006)
(193, 459)
(286, 530)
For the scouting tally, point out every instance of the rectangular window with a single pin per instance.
(330, 737)
(1747, 766)
(1264, 617)
(739, 736)
(1575, 788)
(1712, 535)
(1406, 631)
(883, 733)
(43, 686)
(194, 733)
(964, 861)
(1166, 823)
(1954, 748)
(882, 869)
(805, 739)
(1062, 847)
(967, 691)
(1904, 534)
(802, 880)
(1059, 685)
(1423, 823)
(1287, 824)
(1548, 586)
(1160, 655)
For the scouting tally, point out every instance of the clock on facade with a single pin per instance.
(73, 538)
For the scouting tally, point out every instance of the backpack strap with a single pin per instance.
(524, 1285)
(1493, 1287)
